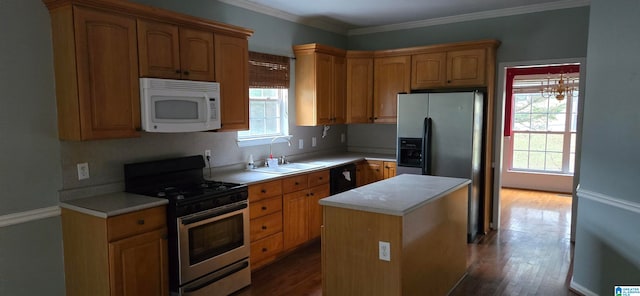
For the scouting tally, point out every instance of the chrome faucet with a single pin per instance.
(271, 145)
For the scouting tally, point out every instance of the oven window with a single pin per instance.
(176, 109)
(215, 238)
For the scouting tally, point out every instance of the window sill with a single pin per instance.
(512, 171)
(261, 141)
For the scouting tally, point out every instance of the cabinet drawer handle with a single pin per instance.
(263, 191)
(264, 208)
(264, 227)
(297, 183)
(311, 193)
(264, 250)
(141, 222)
(178, 71)
(320, 178)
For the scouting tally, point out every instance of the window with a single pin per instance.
(543, 129)
(268, 97)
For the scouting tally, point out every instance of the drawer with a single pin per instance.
(294, 183)
(317, 178)
(264, 190)
(265, 226)
(265, 207)
(126, 225)
(265, 248)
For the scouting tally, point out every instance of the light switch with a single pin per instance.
(384, 249)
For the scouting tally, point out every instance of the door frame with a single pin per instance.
(499, 135)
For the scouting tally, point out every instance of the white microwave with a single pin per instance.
(175, 106)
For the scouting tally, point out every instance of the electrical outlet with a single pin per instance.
(83, 171)
(313, 142)
(384, 250)
(300, 143)
(207, 153)
(342, 138)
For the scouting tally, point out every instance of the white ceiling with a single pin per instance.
(348, 16)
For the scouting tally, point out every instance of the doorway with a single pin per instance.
(538, 142)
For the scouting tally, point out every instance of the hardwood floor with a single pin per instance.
(530, 255)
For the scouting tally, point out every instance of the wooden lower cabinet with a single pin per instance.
(265, 212)
(389, 169)
(302, 213)
(285, 214)
(120, 255)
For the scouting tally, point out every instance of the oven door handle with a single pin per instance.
(213, 213)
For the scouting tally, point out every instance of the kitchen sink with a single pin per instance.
(289, 168)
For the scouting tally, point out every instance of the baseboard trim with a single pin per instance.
(609, 200)
(581, 289)
(28, 216)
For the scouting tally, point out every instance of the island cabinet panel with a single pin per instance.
(428, 248)
(392, 75)
(119, 255)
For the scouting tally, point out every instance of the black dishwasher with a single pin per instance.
(343, 178)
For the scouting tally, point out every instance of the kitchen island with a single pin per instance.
(422, 218)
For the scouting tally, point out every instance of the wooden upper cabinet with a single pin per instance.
(169, 51)
(197, 55)
(96, 67)
(102, 48)
(339, 101)
(392, 75)
(359, 89)
(466, 67)
(454, 68)
(428, 70)
(159, 48)
(232, 71)
(320, 85)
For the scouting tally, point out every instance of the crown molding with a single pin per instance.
(473, 16)
(341, 29)
(323, 25)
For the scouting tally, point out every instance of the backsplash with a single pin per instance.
(106, 158)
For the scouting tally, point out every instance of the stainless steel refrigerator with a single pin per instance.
(440, 134)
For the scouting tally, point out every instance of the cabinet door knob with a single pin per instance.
(297, 183)
(263, 191)
(141, 222)
(264, 227)
(311, 193)
(264, 208)
(178, 71)
(320, 178)
(264, 250)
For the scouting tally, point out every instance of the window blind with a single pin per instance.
(268, 71)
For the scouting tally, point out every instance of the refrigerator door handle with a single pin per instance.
(426, 147)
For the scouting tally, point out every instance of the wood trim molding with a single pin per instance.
(609, 200)
(154, 13)
(28, 216)
(581, 289)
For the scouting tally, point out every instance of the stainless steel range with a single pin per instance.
(208, 225)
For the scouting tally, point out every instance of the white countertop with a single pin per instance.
(113, 204)
(327, 161)
(395, 196)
